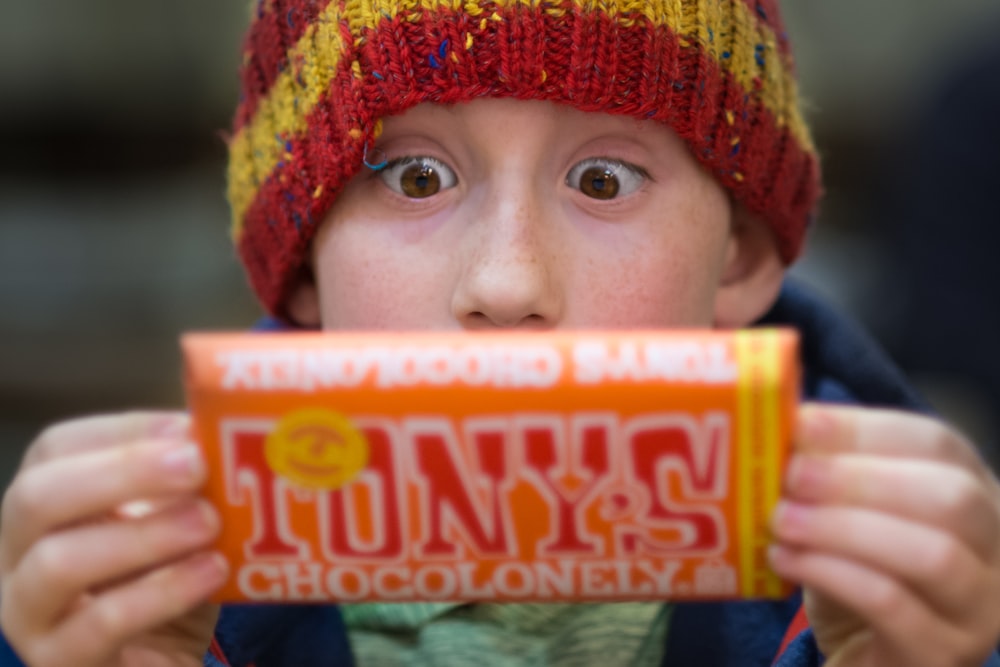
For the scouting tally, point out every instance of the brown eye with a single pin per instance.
(605, 178)
(599, 183)
(418, 178)
(419, 181)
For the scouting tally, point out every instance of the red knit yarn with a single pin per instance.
(565, 52)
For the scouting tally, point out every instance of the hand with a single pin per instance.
(891, 522)
(103, 543)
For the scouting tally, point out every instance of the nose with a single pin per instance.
(510, 268)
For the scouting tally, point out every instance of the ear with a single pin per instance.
(303, 303)
(752, 274)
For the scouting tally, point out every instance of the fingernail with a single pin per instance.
(184, 461)
(790, 519)
(806, 476)
(198, 519)
(816, 425)
(793, 473)
(210, 566)
(777, 556)
(776, 516)
(173, 427)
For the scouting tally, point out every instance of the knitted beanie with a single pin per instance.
(318, 75)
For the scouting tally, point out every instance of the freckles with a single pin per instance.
(624, 280)
(616, 293)
(661, 284)
(360, 275)
(353, 287)
(383, 290)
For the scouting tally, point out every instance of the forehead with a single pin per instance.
(514, 123)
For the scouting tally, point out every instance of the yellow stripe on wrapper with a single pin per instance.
(744, 446)
(728, 32)
(760, 454)
(770, 453)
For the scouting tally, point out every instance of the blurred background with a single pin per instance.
(113, 224)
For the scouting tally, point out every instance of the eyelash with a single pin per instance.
(606, 176)
(431, 173)
(634, 174)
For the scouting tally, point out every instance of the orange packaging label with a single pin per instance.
(518, 467)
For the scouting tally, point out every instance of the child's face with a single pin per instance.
(514, 214)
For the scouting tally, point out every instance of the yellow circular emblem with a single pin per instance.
(316, 449)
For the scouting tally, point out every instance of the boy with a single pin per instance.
(522, 165)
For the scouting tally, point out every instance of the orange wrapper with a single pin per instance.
(518, 467)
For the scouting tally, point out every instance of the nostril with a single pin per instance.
(480, 320)
(506, 294)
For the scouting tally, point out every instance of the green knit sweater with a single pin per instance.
(507, 635)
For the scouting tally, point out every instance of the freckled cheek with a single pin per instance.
(367, 287)
(691, 282)
(651, 286)
(657, 301)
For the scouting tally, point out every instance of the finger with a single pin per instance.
(96, 632)
(913, 633)
(890, 433)
(945, 573)
(67, 491)
(945, 496)
(98, 432)
(63, 566)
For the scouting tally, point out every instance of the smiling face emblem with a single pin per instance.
(316, 449)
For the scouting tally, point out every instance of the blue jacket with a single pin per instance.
(842, 365)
